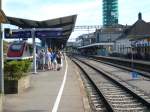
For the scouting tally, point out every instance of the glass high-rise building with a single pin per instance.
(110, 12)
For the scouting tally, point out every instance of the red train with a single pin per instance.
(19, 50)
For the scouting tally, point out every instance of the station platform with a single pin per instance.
(51, 91)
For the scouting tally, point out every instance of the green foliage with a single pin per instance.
(14, 70)
(27, 65)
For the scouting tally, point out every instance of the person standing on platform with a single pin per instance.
(59, 60)
(46, 59)
(54, 61)
(42, 59)
(49, 61)
(62, 58)
(38, 60)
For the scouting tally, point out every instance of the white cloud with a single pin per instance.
(129, 9)
(48, 11)
(89, 12)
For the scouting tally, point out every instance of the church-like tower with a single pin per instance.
(110, 12)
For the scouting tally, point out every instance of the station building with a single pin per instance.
(118, 40)
(101, 42)
(137, 37)
(86, 39)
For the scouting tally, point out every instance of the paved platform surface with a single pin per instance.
(42, 94)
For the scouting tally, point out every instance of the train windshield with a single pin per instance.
(16, 47)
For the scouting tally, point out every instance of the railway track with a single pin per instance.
(96, 100)
(116, 95)
(142, 69)
(141, 81)
(140, 72)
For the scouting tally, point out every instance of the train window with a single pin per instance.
(16, 47)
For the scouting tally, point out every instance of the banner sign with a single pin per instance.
(48, 33)
(140, 43)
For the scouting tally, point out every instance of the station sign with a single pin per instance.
(38, 33)
(17, 33)
(48, 33)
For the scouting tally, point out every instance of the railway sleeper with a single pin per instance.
(137, 109)
(118, 95)
(133, 105)
(123, 101)
(120, 99)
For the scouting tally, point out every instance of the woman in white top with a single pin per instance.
(48, 56)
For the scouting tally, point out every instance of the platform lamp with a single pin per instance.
(3, 19)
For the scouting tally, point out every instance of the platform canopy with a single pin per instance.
(66, 23)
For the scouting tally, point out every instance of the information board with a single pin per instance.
(38, 33)
(17, 34)
(48, 33)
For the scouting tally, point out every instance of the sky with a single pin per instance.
(89, 12)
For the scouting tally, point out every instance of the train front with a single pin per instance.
(17, 50)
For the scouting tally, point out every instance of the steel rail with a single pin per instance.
(128, 90)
